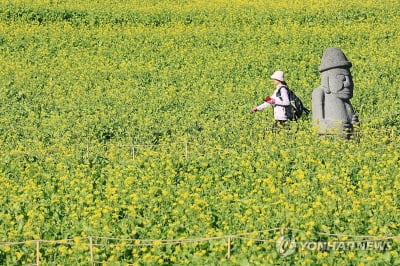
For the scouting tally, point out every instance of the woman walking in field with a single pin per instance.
(279, 100)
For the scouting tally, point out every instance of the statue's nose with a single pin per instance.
(347, 82)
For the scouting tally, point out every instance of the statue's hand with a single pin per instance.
(326, 90)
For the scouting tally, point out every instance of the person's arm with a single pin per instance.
(267, 102)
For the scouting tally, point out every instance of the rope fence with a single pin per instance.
(187, 148)
(91, 242)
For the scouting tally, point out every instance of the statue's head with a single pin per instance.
(335, 70)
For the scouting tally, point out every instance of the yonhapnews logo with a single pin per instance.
(286, 246)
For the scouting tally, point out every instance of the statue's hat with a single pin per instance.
(333, 58)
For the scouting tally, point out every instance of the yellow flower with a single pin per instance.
(351, 255)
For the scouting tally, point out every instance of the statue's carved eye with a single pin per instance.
(341, 77)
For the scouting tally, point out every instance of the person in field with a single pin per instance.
(279, 100)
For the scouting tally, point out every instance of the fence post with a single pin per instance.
(228, 254)
(393, 137)
(91, 250)
(87, 151)
(37, 252)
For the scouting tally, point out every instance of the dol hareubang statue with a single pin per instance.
(332, 112)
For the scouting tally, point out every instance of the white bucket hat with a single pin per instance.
(278, 75)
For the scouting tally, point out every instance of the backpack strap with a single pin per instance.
(278, 93)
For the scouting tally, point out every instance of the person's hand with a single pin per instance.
(269, 100)
(253, 110)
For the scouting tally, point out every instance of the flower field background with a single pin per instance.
(130, 120)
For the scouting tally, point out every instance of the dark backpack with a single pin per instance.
(296, 108)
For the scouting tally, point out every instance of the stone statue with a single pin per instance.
(332, 112)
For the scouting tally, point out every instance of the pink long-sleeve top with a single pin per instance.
(280, 103)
